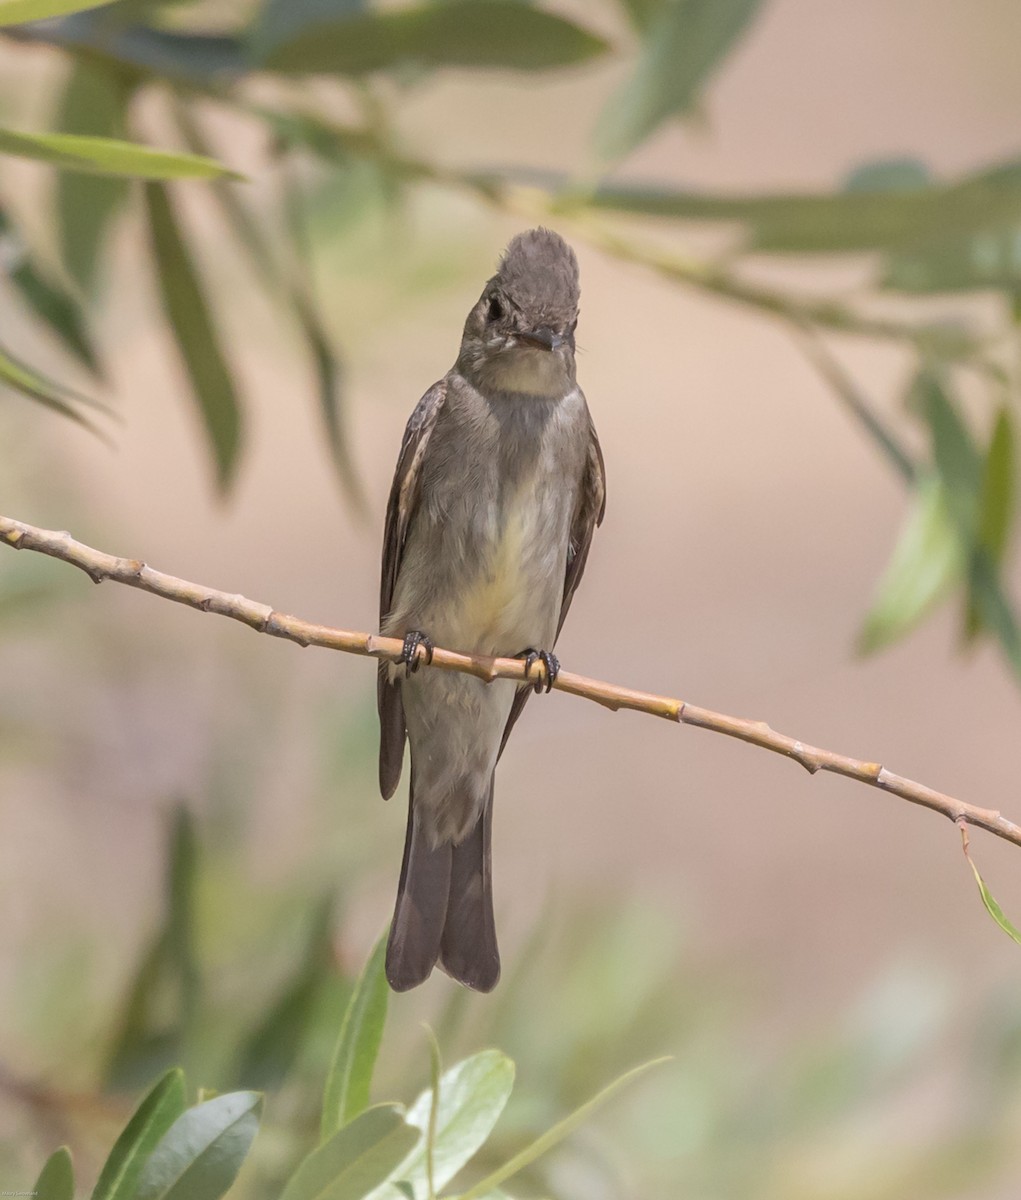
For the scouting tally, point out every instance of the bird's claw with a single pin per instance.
(549, 660)
(409, 651)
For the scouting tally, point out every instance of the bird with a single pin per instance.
(499, 486)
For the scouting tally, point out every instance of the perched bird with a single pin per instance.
(497, 491)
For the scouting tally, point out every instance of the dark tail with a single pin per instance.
(445, 909)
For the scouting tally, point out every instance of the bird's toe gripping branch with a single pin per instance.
(409, 651)
(549, 660)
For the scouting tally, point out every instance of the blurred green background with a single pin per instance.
(798, 228)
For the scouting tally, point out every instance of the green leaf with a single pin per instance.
(108, 156)
(998, 490)
(271, 1049)
(140, 53)
(47, 298)
(927, 563)
(889, 175)
(551, 1137)
(93, 102)
(684, 43)
(958, 460)
(642, 12)
(25, 379)
(199, 1156)
(347, 1085)
(328, 368)
(187, 310)
(991, 906)
(996, 505)
(356, 1159)
(151, 1120)
(499, 33)
(161, 1004)
(863, 219)
(472, 1096)
(17, 12)
(56, 1180)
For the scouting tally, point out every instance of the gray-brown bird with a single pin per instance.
(497, 491)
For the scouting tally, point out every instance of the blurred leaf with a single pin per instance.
(198, 60)
(45, 296)
(998, 490)
(93, 102)
(151, 1120)
(642, 12)
(991, 906)
(889, 175)
(187, 310)
(270, 1051)
(685, 41)
(56, 1180)
(329, 372)
(472, 1096)
(927, 563)
(996, 504)
(355, 1159)
(551, 1137)
(347, 1085)
(108, 156)
(163, 997)
(17, 12)
(498, 33)
(961, 468)
(853, 221)
(199, 1156)
(30, 383)
(957, 458)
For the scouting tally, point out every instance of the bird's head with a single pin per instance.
(519, 337)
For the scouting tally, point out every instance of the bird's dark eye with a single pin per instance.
(495, 308)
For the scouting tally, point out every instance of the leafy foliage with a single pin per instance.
(928, 235)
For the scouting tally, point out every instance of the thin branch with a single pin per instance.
(264, 619)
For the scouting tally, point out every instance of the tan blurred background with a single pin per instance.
(747, 523)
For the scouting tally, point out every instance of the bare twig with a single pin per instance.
(261, 617)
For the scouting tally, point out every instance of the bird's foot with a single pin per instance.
(410, 659)
(549, 660)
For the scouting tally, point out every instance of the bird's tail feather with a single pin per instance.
(468, 950)
(444, 909)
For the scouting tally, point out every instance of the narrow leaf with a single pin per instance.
(472, 1096)
(199, 1156)
(151, 1120)
(996, 506)
(998, 490)
(17, 12)
(108, 156)
(551, 1137)
(350, 1076)
(499, 33)
(187, 310)
(926, 564)
(958, 460)
(329, 372)
(31, 383)
(684, 43)
(93, 102)
(991, 906)
(56, 1180)
(269, 1052)
(46, 297)
(160, 1007)
(356, 1159)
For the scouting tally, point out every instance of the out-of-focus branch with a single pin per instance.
(264, 619)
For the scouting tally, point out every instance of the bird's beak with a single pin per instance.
(543, 337)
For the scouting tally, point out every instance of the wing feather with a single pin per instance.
(404, 494)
